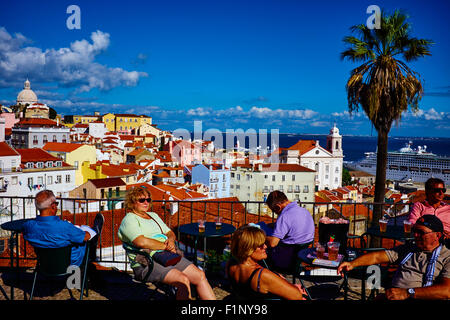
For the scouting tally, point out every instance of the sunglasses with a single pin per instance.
(56, 202)
(421, 232)
(142, 200)
(439, 190)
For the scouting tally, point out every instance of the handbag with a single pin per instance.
(166, 258)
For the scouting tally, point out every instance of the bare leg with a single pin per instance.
(197, 277)
(181, 282)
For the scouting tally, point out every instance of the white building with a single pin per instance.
(327, 163)
(36, 132)
(215, 177)
(255, 182)
(28, 171)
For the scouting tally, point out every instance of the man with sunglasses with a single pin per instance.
(49, 231)
(433, 204)
(423, 267)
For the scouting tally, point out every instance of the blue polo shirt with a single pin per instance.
(52, 232)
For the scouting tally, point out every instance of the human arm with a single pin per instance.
(438, 291)
(147, 243)
(368, 259)
(170, 242)
(415, 212)
(274, 284)
(272, 241)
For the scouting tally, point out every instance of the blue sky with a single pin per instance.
(231, 64)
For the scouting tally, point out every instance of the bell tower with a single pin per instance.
(334, 142)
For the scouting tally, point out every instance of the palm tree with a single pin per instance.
(384, 86)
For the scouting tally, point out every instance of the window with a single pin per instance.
(30, 165)
(273, 177)
(30, 182)
(35, 140)
(58, 179)
(40, 180)
(45, 139)
(305, 189)
(49, 180)
(49, 164)
(14, 180)
(75, 164)
(40, 165)
(283, 178)
(54, 138)
(67, 178)
(293, 177)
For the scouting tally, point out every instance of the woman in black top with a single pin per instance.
(248, 278)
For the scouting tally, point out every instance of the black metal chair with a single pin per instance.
(54, 263)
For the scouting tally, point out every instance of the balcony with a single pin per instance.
(110, 251)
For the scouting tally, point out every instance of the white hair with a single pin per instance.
(44, 199)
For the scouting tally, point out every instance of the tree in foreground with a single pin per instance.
(383, 85)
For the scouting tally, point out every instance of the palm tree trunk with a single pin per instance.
(380, 182)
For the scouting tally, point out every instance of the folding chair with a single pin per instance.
(54, 262)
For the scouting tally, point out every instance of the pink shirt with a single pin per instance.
(442, 212)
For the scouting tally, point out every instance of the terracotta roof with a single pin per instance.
(303, 146)
(107, 182)
(61, 147)
(6, 150)
(35, 154)
(278, 167)
(36, 122)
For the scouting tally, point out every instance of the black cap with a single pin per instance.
(432, 222)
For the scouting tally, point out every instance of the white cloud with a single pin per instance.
(72, 67)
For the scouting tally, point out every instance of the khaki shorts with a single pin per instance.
(159, 272)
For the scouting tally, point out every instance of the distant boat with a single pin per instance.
(408, 164)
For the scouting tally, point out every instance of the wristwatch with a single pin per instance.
(411, 292)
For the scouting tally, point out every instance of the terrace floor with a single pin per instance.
(112, 284)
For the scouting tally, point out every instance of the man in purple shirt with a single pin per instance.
(294, 230)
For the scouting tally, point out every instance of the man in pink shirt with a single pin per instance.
(435, 192)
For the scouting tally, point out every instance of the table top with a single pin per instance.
(392, 232)
(14, 225)
(210, 229)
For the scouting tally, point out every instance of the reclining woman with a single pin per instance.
(145, 230)
(249, 280)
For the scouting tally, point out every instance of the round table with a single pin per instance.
(210, 232)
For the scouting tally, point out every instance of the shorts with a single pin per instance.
(159, 272)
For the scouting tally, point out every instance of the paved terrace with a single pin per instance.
(111, 281)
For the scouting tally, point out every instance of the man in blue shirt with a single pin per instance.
(49, 231)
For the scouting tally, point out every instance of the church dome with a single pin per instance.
(26, 95)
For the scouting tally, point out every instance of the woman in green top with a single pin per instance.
(145, 230)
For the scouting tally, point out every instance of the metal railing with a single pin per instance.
(175, 213)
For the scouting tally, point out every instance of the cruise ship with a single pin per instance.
(409, 165)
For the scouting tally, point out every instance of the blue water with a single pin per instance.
(354, 146)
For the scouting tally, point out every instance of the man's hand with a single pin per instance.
(397, 294)
(344, 267)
